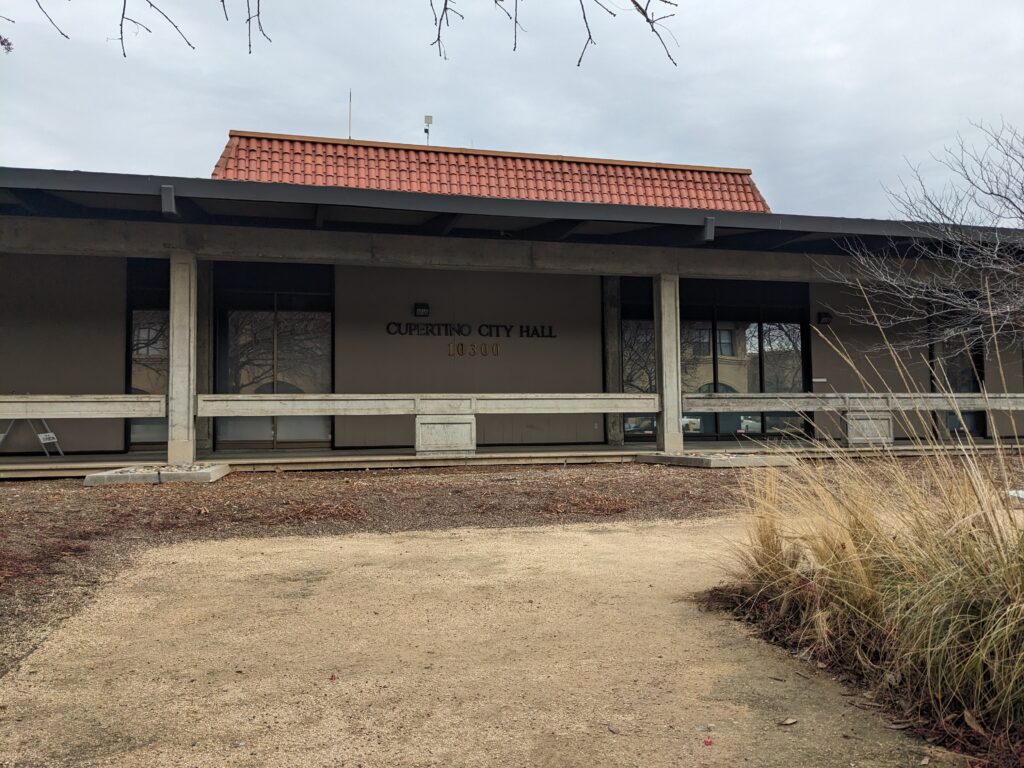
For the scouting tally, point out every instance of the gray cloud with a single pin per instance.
(823, 101)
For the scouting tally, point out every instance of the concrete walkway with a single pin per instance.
(569, 646)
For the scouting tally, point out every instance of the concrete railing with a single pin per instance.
(445, 423)
(417, 404)
(868, 417)
(808, 402)
(82, 406)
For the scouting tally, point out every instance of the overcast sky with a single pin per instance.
(826, 101)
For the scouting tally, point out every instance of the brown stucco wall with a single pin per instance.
(62, 331)
(368, 359)
(1004, 372)
(1004, 369)
(863, 344)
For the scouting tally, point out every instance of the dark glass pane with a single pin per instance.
(639, 374)
(150, 345)
(639, 356)
(962, 371)
(783, 357)
(783, 372)
(249, 367)
(250, 352)
(303, 367)
(739, 370)
(785, 422)
(696, 367)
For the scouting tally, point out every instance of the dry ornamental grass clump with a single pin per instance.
(908, 573)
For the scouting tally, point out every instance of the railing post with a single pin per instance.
(181, 380)
(666, 316)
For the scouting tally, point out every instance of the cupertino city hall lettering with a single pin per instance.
(484, 330)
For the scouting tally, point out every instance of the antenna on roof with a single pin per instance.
(428, 120)
(350, 113)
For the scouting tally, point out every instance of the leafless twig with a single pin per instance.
(52, 22)
(258, 18)
(655, 21)
(442, 20)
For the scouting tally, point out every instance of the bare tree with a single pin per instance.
(959, 280)
(445, 12)
(639, 356)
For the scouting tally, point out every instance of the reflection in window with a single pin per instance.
(639, 356)
(150, 345)
(725, 345)
(696, 369)
(752, 357)
(963, 371)
(783, 357)
(279, 351)
(739, 372)
(639, 373)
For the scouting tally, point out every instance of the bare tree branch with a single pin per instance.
(52, 22)
(959, 278)
(445, 13)
(170, 21)
(654, 22)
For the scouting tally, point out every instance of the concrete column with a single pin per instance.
(666, 317)
(611, 297)
(181, 382)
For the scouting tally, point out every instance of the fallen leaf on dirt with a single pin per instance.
(925, 761)
(788, 721)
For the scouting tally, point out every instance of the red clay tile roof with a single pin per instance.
(483, 173)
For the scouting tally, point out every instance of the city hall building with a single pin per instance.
(325, 302)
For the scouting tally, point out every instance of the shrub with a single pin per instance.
(910, 573)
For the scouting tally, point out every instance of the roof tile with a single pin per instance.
(480, 173)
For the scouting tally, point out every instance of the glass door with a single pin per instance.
(149, 339)
(274, 343)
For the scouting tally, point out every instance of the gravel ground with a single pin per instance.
(60, 541)
(568, 646)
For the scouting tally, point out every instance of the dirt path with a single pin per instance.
(553, 646)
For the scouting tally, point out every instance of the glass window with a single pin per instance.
(783, 372)
(700, 341)
(639, 356)
(783, 357)
(736, 337)
(150, 345)
(697, 372)
(725, 345)
(739, 373)
(963, 371)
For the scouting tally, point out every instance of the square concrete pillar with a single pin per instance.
(666, 318)
(181, 380)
